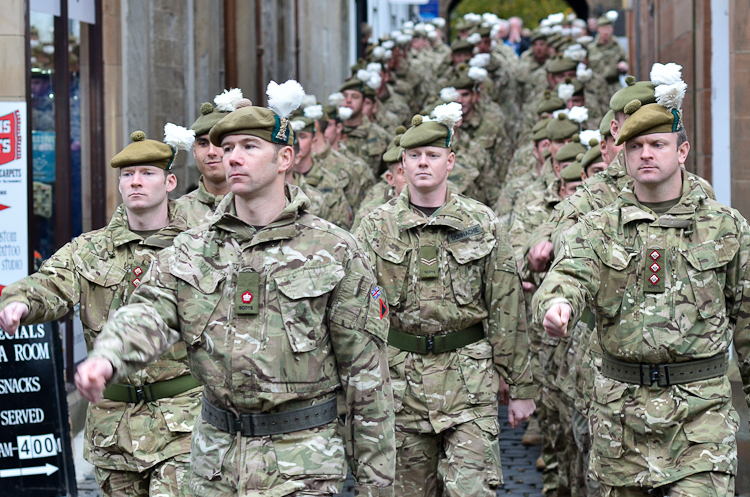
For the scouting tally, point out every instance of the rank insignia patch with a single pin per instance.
(383, 309)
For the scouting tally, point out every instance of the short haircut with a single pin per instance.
(682, 137)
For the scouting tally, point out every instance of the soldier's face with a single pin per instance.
(333, 132)
(560, 77)
(568, 188)
(208, 159)
(605, 32)
(556, 145)
(253, 165)
(655, 159)
(609, 149)
(576, 101)
(368, 107)
(559, 166)
(305, 144)
(467, 99)
(145, 187)
(396, 177)
(427, 168)
(354, 100)
(540, 49)
(460, 57)
(484, 45)
(597, 167)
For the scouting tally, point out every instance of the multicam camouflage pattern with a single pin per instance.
(689, 428)
(97, 270)
(199, 205)
(522, 163)
(317, 202)
(354, 176)
(379, 194)
(477, 282)
(385, 118)
(318, 333)
(397, 104)
(603, 60)
(368, 141)
(477, 262)
(167, 478)
(527, 217)
(338, 210)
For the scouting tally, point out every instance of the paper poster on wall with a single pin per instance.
(14, 236)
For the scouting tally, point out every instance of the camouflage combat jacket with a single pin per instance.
(604, 58)
(317, 202)
(199, 205)
(379, 194)
(339, 212)
(317, 331)
(368, 141)
(354, 175)
(99, 270)
(527, 217)
(477, 283)
(655, 435)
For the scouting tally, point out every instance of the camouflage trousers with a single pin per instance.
(582, 435)
(167, 479)
(706, 484)
(226, 465)
(553, 446)
(463, 460)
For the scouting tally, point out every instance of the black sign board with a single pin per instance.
(35, 448)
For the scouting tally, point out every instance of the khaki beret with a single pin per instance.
(635, 90)
(569, 152)
(426, 134)
(549, 103)
(461, 45)
(561, 64)
(539, 131)
(538, 35)
(572, 172)
(593, 156)
(648, 120)
(393, 153)
(254, 121)
(561, 128)
(353, 84)
(143, 152)
(604, 125)
(210, 115)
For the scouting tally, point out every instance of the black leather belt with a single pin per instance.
(664, 375)
(257, 425)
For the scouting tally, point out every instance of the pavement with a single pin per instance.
(519, 466)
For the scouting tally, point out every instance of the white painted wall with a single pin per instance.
(720, 102)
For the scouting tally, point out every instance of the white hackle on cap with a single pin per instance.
(336, 99)
(587, 135)
(480, 60)
(345, 113)
(449, 94)
(374, 67)
(178, 137)
(671, 96)
(612, 15)
(448, 114)
(363, 75)
(313, 112)
(285, 98)
(583, 73)
(227, 100)
(298, 125)
(575, 52)
(578, 114)
(439, 22)
(378, 53)
(472, 17)
(474, 39)
(478, 74)
(565, 91)
(374, 81)
(556, 18)
(308, 101)
(666, 74)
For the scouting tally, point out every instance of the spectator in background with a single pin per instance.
(516, 40)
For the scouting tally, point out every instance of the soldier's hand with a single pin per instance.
(556, 320)
(540, 255)
(528, 286)
(92, 377)
(503, 395)
(519, 411)
(11, 316)
(622, 67)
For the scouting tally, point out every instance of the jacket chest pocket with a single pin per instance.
(617, 278)
(706, 271)
(303, 296)
(199, 284)
(466, 266)
(391, 265)
(105, 278)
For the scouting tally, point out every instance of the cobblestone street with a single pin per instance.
(519, 471)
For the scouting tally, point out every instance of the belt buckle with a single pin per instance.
(430, 343)
(139, 394)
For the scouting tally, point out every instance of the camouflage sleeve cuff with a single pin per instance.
(523, 391)
(363, 490)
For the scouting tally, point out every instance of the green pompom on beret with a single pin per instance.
(561, 64)
(143, 152)
(593, 156)
(569, 152)
(549, 103)
(604, 125)
(462, 81)
(254, 121)
(561, 128)
(648, 120)
(210, 115)
(426, 134)
(461, 45)
(636, 90)
(393, 153)
(539, 131)
(483, 30)
(572, 172)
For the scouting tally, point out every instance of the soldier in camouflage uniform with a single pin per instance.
(138, 437)
(200, 204)
(457, 324)
(338, 209)
(676, 269)
(606, 56)
(277, 309)
(362, 137)
(531, 73)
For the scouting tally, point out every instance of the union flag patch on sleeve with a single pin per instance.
(375, 293)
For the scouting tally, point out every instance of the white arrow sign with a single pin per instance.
(47, 469)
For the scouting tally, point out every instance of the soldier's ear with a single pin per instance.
(170, 181)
